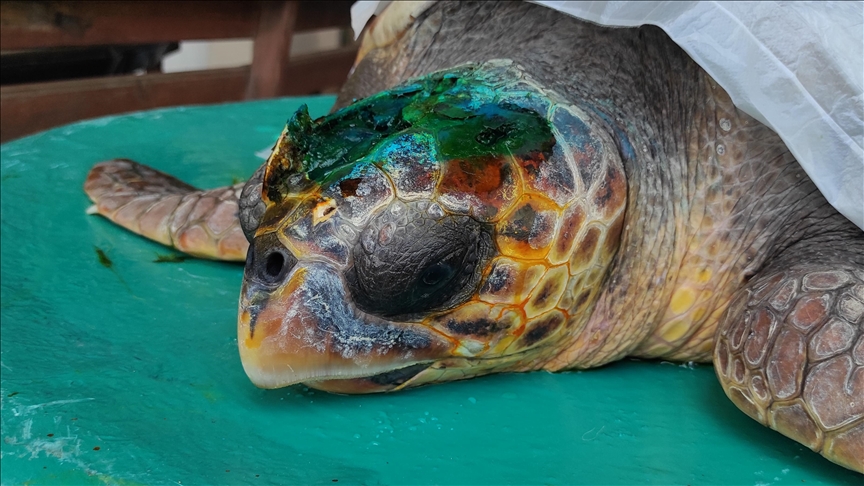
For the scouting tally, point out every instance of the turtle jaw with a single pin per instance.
(382, 382)
(306, 331)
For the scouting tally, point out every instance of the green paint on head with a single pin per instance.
(459, 108)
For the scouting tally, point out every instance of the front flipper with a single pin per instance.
(155, 205)
(790, 350)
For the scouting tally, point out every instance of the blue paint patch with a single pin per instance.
(623, 141)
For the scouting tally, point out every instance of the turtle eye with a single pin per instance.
(410, 261)
(437, 273)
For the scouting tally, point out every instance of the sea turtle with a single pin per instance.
(504, 188)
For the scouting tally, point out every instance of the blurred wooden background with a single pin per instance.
(53, 33)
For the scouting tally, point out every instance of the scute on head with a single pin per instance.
(431, 226)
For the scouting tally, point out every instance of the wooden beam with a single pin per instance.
(272, 49)
(323, 72)
(29, 108)
(323, 14)
(29, 25)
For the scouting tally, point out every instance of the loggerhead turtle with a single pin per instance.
(518, 190)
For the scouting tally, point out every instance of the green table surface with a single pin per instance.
(130, 374)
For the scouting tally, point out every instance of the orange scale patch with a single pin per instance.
(594, 276)
(583, 254)
(613, 236)
(547, 292)
(551, 176)
(476, 326)
(515, 321)
(581, 301)
(528, 230)
(471, 319)
(571, 293)
(484, 187)
(510, 281)
(611, 193)
(571, 224)
(540, 329)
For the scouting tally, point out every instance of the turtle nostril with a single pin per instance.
(268, 262)
(272, 268)
(274, 264)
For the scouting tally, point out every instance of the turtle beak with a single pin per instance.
(306, 330)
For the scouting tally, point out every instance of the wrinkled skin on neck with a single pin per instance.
(453, 226)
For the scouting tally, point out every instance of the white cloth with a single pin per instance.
(797, 67)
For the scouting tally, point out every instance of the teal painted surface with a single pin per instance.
(140, 360)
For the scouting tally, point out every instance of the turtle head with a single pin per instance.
(451, 227)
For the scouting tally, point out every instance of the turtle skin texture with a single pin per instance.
(518, 190)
